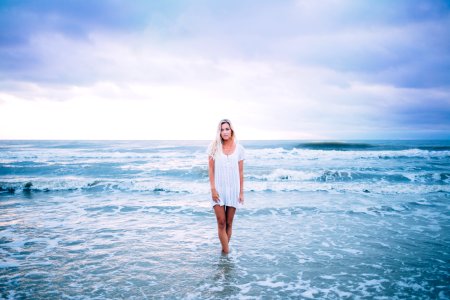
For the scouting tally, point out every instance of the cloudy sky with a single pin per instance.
(332, 69)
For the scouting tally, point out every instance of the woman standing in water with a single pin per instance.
(226, 176)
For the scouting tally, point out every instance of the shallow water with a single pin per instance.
(132, 222)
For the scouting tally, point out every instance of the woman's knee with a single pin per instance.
(229, 223)
(221, 223)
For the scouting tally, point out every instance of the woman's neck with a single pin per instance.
(228, 143)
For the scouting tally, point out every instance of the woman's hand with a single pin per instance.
(241, 197)
(215, 195)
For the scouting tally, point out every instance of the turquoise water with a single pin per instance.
(131, 219)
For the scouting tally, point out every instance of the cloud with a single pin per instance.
(291, 69)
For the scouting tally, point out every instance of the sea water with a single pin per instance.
(132, 219)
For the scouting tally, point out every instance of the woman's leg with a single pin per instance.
(222, 226)
(229, 213)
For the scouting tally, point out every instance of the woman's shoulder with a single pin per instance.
(240, 151)
(212, 150)
(240, 147)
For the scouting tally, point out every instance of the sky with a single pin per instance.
(304, 69)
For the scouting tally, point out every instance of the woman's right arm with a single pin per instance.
(214, 194)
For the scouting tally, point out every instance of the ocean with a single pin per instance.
(132, 219)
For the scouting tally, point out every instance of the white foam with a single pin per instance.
(380, 187)
(271, 282)
(67, 183)
(308, 154)
(352, 251)
(309, 293)
(285, 174)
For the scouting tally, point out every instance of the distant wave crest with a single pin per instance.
(334, 146)
(89, 186)
(280, 175)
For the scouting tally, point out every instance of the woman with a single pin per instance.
(226, 176)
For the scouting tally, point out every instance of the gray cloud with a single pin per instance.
(333, 66)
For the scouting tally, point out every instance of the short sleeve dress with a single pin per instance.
(226, 177)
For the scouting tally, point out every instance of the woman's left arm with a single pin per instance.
(241, 181)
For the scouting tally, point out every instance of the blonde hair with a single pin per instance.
(216, 145)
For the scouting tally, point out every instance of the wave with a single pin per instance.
(322, 154)
(150, 209)
(434, 148)
(179, 167)
(284, 175)
(372, 145)
(93, 185)
(201, 188)
(183, 169)
(335, 146)
(195, 180)
(79, 163)
(205, 211)
(348, 187)
(342, 187)
(280, 175)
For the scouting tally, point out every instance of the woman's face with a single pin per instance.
(225, 131)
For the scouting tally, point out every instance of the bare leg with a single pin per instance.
(229, 213)
(221, 227)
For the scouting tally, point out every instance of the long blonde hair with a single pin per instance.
(216, 145)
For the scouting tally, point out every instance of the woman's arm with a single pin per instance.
(214, 194)
(241, 181)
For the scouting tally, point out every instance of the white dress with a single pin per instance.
(226, 177)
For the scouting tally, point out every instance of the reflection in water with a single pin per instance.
(225, 267)
(27, 194)
(225, 278)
